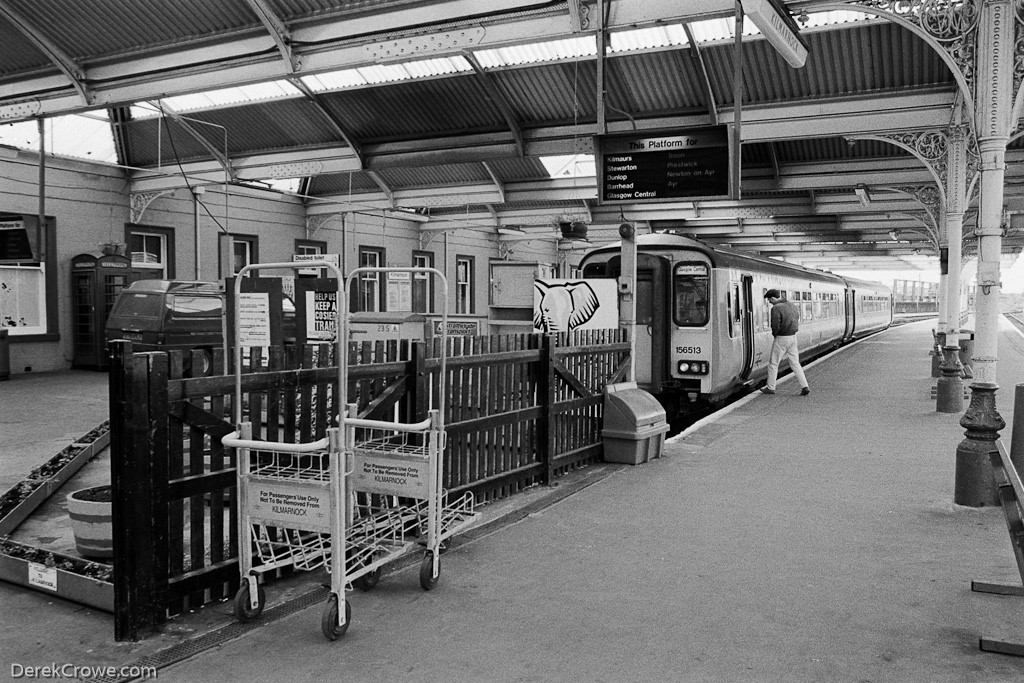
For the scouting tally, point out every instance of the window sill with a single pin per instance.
(18, 339)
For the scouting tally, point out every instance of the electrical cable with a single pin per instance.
(184, 177)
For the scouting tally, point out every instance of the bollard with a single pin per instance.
(949, 390)
(5, 354)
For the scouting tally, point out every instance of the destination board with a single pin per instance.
(682, 164)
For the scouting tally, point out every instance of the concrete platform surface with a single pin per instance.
(791, 539)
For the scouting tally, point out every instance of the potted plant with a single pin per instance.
(111, 248)
(91, 512)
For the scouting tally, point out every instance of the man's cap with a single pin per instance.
(772, 294)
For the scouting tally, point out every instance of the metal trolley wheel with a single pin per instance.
(243, 610)
(427, 578)
(329, 618)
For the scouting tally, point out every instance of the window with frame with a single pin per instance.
(691, 289)
(463, 284)
(149, 254)
(371, 293)
(422, 283)
(243, 252)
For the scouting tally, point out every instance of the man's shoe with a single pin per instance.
(766, 390)
(805, 391)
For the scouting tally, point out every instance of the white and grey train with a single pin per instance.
(703, 329)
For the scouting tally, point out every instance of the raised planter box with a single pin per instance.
(71, 578)
(27, 495)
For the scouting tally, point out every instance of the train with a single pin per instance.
(703, 326)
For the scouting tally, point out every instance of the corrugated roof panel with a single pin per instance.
(88, 30)
(551, 93)
(445, 175)
(303, 9)
(519, 169)
(284, 124)
(654, 82)
(869, 58)
(647, 38)
(342, 184)
(415, 108)
(17, 54)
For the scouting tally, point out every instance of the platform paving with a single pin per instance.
(791, 539)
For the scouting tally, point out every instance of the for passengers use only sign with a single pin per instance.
(685, 164)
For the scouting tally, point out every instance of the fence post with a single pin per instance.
(131, 484)
(546, 394)
(419, 382)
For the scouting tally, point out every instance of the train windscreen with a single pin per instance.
(690, 292)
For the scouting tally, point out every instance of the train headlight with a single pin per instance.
(693, 367)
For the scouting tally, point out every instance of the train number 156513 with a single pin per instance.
(687, 349)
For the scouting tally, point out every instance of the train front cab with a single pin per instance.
(653, 274)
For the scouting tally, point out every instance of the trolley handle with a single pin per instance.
(394, 426)
(233, 441)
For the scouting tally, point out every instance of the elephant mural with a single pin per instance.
(565, 306)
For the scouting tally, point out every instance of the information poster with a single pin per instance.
(399, 292)
(254, 319)
(651, 167)
(321, 314)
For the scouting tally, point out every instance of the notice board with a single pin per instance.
(658, 166)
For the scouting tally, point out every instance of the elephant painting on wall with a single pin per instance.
(567, 305)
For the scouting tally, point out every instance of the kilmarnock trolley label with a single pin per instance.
(392, 475)
(290, 505)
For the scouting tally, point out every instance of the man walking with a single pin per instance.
(785, 323)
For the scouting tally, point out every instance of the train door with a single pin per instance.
(747, 324)
(851, 313)
(652, 312)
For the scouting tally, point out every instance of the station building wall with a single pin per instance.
(90, 204)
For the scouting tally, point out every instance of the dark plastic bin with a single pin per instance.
(634, 425)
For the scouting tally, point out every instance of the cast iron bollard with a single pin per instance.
(949, 392)
(973, 483)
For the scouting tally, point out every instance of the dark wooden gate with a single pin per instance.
(520, 410)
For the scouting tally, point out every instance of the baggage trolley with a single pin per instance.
(290, 494)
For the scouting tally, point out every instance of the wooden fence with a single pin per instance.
(519, 411)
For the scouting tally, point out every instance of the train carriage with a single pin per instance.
(703, 327)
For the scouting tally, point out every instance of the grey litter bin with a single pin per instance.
(634, 424)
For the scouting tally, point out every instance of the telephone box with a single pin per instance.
(95, 283)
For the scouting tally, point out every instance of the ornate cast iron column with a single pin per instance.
(995, 88)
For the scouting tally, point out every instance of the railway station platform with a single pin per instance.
(789, 538)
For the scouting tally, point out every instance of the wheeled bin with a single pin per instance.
(634, 424)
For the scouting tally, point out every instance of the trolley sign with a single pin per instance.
(290, 505)
(392, 475)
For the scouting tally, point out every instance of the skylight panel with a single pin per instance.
(671, 35)
(335, 80)
(226, 96)
(717, 30)
(570, 166)
(534, 53)
(81, 136)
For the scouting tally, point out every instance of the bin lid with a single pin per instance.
(627, 408)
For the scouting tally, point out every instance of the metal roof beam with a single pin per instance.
(498, 99)
(331, 119)
(379, 182)
(328, 45)
(278, 31)
(698, 58)
(71, 70)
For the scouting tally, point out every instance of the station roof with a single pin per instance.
(481, 115)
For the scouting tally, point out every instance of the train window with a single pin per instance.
(691, 293)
